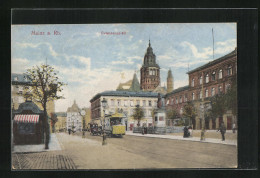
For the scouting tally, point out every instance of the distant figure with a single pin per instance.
(186, 132)
(234, 128)
(190, 131)
(69, 131)
(222, 130)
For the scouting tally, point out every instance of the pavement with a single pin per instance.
(176, 137)
(53, 146)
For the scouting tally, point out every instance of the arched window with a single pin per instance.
(181, 110)
(200, 80)
(192, 82)
(213, 76)
(193, 96)
(180, 99)
(220, 74)
(176, 100)
(212, 91)
(206, 93)
(168, 101)
(207, 78)
(229, 70)
(172, 101)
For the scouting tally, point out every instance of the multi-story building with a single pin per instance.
(60, 125)
(150, 71)
(125, 102)
(74, 118)
(216, 77)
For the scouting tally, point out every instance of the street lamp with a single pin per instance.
(104, 105)
(82, 113)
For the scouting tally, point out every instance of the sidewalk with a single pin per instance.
(174, 137)
(53, 146)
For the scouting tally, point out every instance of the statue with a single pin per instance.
(159, 102)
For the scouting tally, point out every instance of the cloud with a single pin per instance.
(202, 55)
(19, 64)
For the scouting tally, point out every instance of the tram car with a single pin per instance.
(115, 125)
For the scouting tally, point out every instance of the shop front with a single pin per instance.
(28, 124)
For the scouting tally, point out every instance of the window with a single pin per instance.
(200, 94)
(229, 70)
(144, 103)
(176, 100)
(192, 82)
(155, 103)
(150, 103)
(213, 76)
(138, 102)
(193, 96)
(186, 98)
(131, 103)
(149, 113)
(172, 101)
(220, 74)
(168, 102)
(181, 110)
(15, 78)
(180, 99)
(228, 87)
(200, 80)
(150, 72)
(207, 78)
(112, 102)
(212, 91)
(206, 93)
(118, 102)
(219, 89)
(125, 103)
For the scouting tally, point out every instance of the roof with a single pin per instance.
(135, 84)
(61, 114)
(125, 94)
(126, 84)
(231, 54)
(178, 90)
(73, 108)
(19, 78)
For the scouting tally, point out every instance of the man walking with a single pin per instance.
(222, 130)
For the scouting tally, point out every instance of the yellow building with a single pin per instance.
(125, 102)
(60, 125)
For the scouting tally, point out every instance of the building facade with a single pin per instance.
(124, 102)
(74, 118)
(150, 71)
(216, 77)
(61, 124)
(19, 82)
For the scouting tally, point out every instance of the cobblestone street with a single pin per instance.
(42, 160)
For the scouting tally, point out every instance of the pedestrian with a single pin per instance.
(185, 134)
(222, 130)
(69, 131)
(190, 131)
(234, 128)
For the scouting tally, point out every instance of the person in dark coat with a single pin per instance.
(186, 132)
(69, 131)
(222, 130)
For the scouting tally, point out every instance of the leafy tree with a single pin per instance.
(44, 87)
(218, 106)
(189, 111)
(138, 114)
(172, 114)
(231, 97)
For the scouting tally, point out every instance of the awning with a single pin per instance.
(27, 118)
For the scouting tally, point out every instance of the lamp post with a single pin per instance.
(82, 113)
(202, 135)
(104, 105)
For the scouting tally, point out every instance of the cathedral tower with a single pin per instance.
(150, 71)
(169, 81)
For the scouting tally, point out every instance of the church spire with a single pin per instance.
(149, 42)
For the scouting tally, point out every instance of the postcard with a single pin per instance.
(124, 96)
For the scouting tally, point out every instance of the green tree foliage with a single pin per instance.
(44, 87)
(138, 114)
(189, 111)
(172, 114)
(231, 97)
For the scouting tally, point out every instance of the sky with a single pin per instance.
(91, 61)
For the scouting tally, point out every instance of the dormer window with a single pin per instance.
(15, 78)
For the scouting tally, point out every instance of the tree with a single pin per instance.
(44, 86)
(231, 97)
(138, 114)
(218, 106)
(189, 111)
(172, 114)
